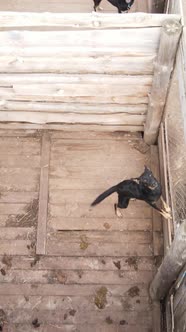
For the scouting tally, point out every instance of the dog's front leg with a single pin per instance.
(165, 214)
(165, 205)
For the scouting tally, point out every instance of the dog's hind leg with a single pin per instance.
(117, 211)
(96, 4)
(123, 202)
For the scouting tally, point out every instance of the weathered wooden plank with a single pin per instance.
(92, 135)
(79, 89)
(31, 106)
(19, 179)
(93, 159)
(102, 237)
(115, 224)
(105, 210)
(43, 195)
(14, 247)
(20, 145)
(81, 317)
(17, 197)
(16, 233)
(10, 79)
(18, 214)
(88, 173)
(158, 244)
(77, 277)
(29, 289)
(92, 20)
(164, 181)
(82, 65)
(71, 128)
(99, 159)
(83, 328)
(19, 160)
(4, 220)
(156, 218)
(155, 167)
(165, 61)
(41, 117)
(12, 208)
(80, 263)
(64, 52)
(98, 249)
(75, 146)
(77, 303)
(97, 135)
(91, 38)
(20, 133)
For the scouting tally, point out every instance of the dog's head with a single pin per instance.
(148, 179)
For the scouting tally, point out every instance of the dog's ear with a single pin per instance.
(146, 168)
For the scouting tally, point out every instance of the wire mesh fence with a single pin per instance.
(177, 161)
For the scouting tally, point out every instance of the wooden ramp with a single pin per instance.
(65, 266)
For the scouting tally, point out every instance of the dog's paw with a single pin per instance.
(166, 215)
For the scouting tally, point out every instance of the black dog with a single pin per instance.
(145, 188)
(122, 5)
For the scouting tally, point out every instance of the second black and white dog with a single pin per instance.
(122, 5)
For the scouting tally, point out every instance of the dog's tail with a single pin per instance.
(105, 194)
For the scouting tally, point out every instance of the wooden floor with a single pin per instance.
(65, 266)
(68, 6)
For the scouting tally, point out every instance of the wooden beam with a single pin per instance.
(157, 237)
(122, 38)
(125, 65)
(156, 217)
(164, 181)
(72, 118)
(93, 108)
(172, 264)
(43, 195)
(76, 90)
(82, 20)
(69, 128)
(170, 36)
(11, 79)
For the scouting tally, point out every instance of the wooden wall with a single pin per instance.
(85, 69)
(78, 6)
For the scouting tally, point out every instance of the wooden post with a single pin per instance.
(169, 39)
(171, 266)
(43, 195)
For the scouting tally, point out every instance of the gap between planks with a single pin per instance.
(43, 195)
